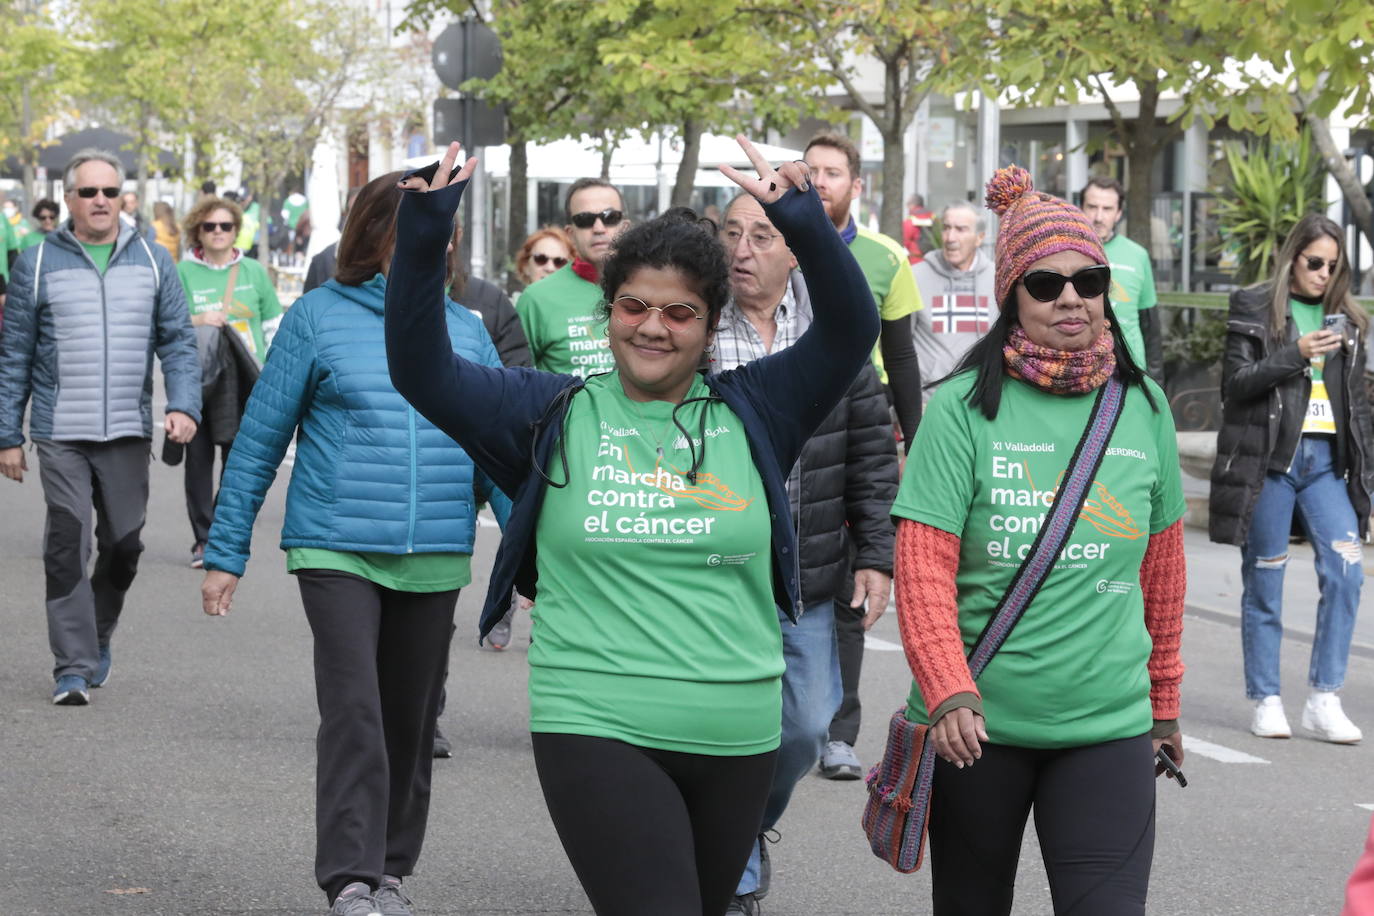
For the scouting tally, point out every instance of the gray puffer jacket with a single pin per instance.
(81, 343)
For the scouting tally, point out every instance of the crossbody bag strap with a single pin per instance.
(228, 299)
(1058, 525)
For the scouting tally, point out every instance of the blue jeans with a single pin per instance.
(810, 696)
(1323, 506)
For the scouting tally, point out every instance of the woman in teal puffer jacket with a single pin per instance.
(379, 529)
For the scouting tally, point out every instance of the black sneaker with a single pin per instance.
(442, 746)
(198, 556)
(748, 904)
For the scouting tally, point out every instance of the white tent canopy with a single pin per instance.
(635, 161)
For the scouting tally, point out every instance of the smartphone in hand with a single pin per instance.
(1167, 765)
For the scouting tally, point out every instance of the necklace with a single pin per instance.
(657, 441)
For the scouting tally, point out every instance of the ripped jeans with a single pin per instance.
(1312, 488)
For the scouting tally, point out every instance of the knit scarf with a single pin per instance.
(1060, 371)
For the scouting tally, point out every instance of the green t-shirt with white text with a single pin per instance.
(557, 314)
(1074, 670)
(1132, 292)
(1318, 417)
(254, 301)
(655, 622)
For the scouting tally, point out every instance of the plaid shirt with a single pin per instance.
(738, 342)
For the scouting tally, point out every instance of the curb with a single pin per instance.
(1232, 618)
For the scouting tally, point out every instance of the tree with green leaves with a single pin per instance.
(917, 46)
(1055, 51)
(39, 78)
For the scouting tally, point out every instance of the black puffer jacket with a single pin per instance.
(486, 300)
(1264, 391)
(848, 475)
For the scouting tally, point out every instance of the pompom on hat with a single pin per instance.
(1034, 225)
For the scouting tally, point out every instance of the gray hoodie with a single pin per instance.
(959, 309)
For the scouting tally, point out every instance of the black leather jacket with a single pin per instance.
(1264, 391)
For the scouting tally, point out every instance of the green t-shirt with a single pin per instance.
(655, 622)
(400, 572)
(33, 238)
(8, 242)
(1132, 292)
(1319, 419)
(255, 298)
(1073, 672)
(557, 314)
(100, 254)
(889, 276)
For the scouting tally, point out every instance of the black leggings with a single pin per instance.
(651, 831)
(1094, 816)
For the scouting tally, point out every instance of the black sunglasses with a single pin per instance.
(1315, 264)
(587, 219)
(88, 193)
(1046, 285)
(541, 259)
(211, 227)
(45, 216)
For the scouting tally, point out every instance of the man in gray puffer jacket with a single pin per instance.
(87, 310)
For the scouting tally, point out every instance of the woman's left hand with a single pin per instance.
(416, 183)
(772, 183)
(1173, 746)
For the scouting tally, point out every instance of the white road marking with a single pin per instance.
(1364, 806)
(1193, 745)
(880, 645)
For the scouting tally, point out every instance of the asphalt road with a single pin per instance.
(186, 787)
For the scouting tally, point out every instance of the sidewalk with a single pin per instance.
(1214, 589)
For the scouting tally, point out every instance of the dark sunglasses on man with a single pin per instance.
(587, 219)
(541, 259)
(211, 227)
(88, 193)
(1046, 285)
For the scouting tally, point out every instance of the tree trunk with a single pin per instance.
(686, 179)
(1141, 149)
(519, 206)
(1360, 208)
(894, 156)
(29, 153)
(607, 151)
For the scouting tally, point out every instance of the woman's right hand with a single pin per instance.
(417, 183)
(1318, 343)
(217, 592)
(957, 735)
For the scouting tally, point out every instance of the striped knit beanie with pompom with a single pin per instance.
(1034, 225)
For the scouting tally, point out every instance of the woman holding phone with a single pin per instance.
(1294, 453)
(652, 526)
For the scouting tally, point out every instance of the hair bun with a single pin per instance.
(1006, 187)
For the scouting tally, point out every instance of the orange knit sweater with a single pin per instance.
(927, 562)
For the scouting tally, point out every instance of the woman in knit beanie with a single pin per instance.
(1067, 716)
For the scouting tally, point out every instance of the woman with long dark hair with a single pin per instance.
(1066, 719)
(1294, 453)
(380, 521)
(652, 526)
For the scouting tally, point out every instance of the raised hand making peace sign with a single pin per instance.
(772, 183)
(418, 183)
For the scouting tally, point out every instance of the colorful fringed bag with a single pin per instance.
(897, 815)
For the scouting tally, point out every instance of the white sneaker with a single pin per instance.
(1324, 718)
(1269, 720)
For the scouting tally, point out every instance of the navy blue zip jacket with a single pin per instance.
(510, 420)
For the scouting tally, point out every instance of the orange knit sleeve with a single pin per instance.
(1163, 582)
(927, 609)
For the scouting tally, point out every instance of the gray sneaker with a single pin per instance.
(391, 900)
(840, 762)
(499, 637)
(355, 900)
